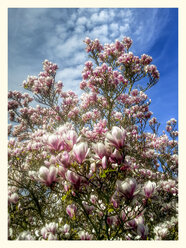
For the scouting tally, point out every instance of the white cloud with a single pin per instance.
(71, 78)
(69, 47)
(114, 30)
(58, 34)
(80, 29)
(70, 73)
(100, 17)
(124, 28)
(99, 31)
(81, 20)
(61, 32)
(114, 26)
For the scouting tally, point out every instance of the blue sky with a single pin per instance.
(57, 35)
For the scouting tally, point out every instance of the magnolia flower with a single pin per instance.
(49, 231)
(52, 227)
(64, 158)
(13, 198)
(88, 208)
(62, 171)
(142, 230)
(55, 143)
(66, 186)
(93, 199)
(66, 228)
(149, 188)
(116, 157)
(48, 176)
(81, 151)
(44, 232)
(128, 188)
(114, 202)
(85, 235)
(70, 139)
(113, 220)
(52, 237)
(72, 177)
(117, 137)
(132, 223)
(139, 220)
(104, 162)
(123, 215)
(100, 150)
(25, 236)
(71, 210)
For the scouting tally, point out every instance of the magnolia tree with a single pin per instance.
(93, 168)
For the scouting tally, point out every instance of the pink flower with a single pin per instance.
(52, 237)
(149, 188)
(116, 137)
(48, 176)
(81, 151)
(64, 158)
(44, 232)
(127, 42)
(13, 198)
(72, 177)
(66, 228)
(52, 227)
(116, 157)
(113, 220)
(114, 202)
(128, 188)
(61, 171)
(89, 209)
(100, 150)
(66, 186)
(55, 143)
(93, 199)
(85, 235)
(123, 215)
(142, 230)
(71, 210)
(132, 223)
(70, 139)
(104, 162)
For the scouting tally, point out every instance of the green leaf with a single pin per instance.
(110, 210)
(103, 174)
(93, 176)
(65, 196)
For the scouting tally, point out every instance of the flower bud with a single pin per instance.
(71, 210)
(104, 162)
(149, 188)
(66, 228)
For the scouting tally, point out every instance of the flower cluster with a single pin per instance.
(88, 168)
